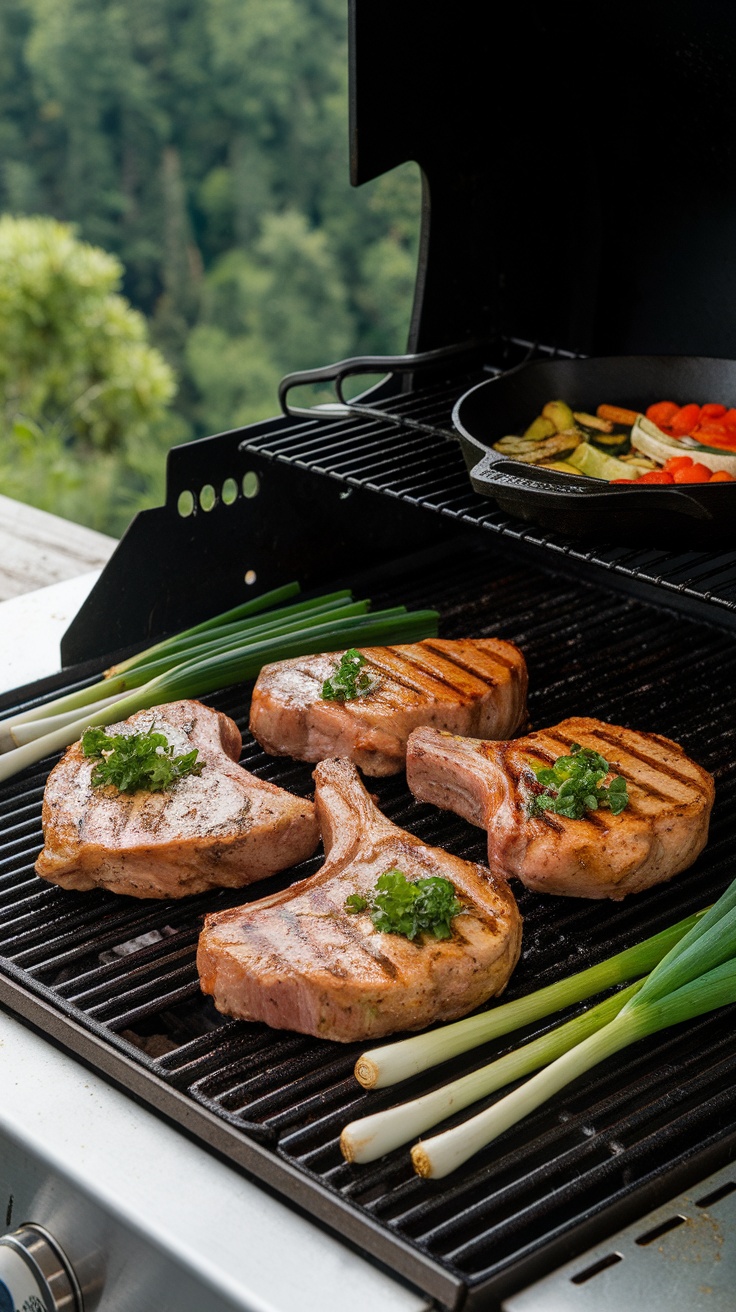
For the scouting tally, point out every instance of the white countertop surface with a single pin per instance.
(32, 626)
(37, 548)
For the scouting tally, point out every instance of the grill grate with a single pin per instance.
(574, 1162)
(428, 470)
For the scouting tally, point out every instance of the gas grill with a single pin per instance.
(377, 497)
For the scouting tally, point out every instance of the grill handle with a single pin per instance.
(338, 372)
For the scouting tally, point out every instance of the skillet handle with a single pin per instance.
(492, 475)
(368, 364)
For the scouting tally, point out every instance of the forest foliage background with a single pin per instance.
(203, 144)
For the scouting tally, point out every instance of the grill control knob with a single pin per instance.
(35, 1274)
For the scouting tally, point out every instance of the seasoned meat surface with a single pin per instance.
(222, 828)
(658, 834)
(300, 961)
(470, 686)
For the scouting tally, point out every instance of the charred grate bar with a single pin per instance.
(122, 973)
(426, 468)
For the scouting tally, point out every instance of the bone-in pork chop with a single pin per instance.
(300, 961)
(471, 686)
(492, 784)
(221, 828)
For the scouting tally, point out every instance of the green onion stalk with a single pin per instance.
(370, 1137)
(398, 1061)
(206, 672)
(26, 730)
(696, 976)
(140, 668)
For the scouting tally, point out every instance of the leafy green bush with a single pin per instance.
(84, 398)
(74, 352)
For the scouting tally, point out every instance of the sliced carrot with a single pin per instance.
(722, 476)
(677, 462)
(697, 474)
(725, 441)
(616, 414)
(712, 411)
(623, 480)
(710, 427)
(685, 420)
(655, 476)
(662, 412)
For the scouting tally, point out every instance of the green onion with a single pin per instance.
(370, 1137)
(437, 1157)
(172, 651)
(248, 608)
(406, 1057)
(696, 976)
(232, 641)
(326, 624)
(26, 732)
(285, 617)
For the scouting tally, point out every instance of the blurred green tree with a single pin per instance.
(83, 394)
(205, 144)
(261, 310)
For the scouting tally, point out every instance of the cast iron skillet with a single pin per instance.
(696, 514)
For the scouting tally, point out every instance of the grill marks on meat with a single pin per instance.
(471, 686)
(660, 832)
(299, 961)
(223, 828)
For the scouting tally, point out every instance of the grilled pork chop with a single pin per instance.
(472, 685)
(299, 960)
(222, 828)
(658, 834)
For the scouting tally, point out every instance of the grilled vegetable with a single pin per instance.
(560, 414)
(370, 1137)
(648, 438)
(617, 415)
(593, 422)
(534, 452)
(661, 413)
(540, 429)
(612, 444)
(588, 460)
(227, 649)
(394, 1062)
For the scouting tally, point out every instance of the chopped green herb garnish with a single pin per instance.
(137, 761)
(356, 903)
(349, 679)
(574, 785)
(410, 907)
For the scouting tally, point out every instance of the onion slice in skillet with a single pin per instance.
(651, 441)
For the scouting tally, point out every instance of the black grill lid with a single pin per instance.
(578, 168)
